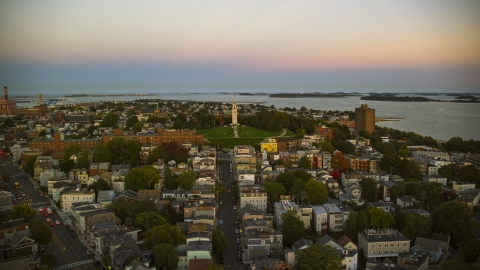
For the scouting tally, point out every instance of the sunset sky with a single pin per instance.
(108, 45)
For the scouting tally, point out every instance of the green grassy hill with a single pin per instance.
(224, 136)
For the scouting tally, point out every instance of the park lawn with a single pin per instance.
(218, 132)
(231, 142)
(246, 131)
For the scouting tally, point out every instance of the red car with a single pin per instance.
(229, 191)
(52, 224)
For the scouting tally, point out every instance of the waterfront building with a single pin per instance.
(364, 118)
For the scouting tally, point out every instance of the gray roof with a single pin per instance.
(199, 245)
(426, 244)
(301, 243)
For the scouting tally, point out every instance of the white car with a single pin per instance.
(220, 222)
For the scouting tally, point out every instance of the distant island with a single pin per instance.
(109, 95)
(310, 95)
(393, 97)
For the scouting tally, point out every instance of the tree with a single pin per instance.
(110, 120)
(304, 163)
(67, 165)
(166, 257)
(149, 220)
(133, 152)
(408, 169)
(48, 259)
(454, 218)
(170, 214)
(22, 211)
(318, 257)
(99, 185)
(83, 160)
(292, 228)
(286, 179)
(415, 226)
(389, 162)
(380, 219)
(141, 178)
(469, 174)
(120, 208)
(219, 242)
(298, 188)
(29, 165)
(186, 180)
(40, 232)
(274, 189)
(131, 120)
(163, 234)
(450, 171)
(137, 127)
(456, 264)
(316, 192)
(118, 147)
(169, 180)
(471, 250)
(6, 177)
(357, 221)
(102, 153)
(369, 188)
(339, 162)
(71, 149)
(327, 146)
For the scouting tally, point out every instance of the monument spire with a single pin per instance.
(234, 112)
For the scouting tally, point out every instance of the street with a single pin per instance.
(229, 216)
(66, 248)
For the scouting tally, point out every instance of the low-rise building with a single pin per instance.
(383, 243)
(74, 196)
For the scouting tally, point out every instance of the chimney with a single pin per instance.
(5, 92)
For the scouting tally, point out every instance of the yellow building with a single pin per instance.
(269, 145)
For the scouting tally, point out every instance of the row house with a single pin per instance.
(439, 179)
(99, 168)
(80, 175)
(335, 217)
(351, 178)
(344, 247)
(256, 196)
(320, 217)
(16, 241)
(459, 187)
(289, 144)
(290, 158)
(324, 132)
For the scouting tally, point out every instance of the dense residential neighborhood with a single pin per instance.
(145, 185)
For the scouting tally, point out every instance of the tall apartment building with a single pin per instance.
(74, 196)
(364, 118)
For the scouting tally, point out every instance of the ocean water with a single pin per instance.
(440, 120)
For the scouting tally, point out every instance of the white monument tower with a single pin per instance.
(234, 112)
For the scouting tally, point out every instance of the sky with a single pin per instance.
(91, 46)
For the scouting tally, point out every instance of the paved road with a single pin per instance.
(67, 249)
(229, 216)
